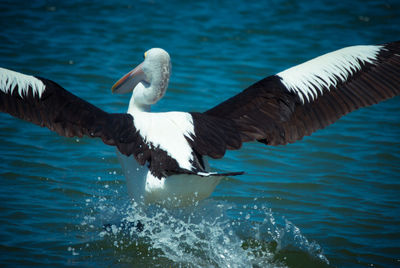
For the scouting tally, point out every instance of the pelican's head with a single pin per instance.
(149, 80)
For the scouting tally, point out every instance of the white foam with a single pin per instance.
(207, 235)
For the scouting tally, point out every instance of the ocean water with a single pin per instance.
(330, 200)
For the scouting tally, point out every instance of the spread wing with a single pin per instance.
(45, 103)
(285, 107)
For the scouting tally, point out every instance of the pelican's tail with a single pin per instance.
(208, 174)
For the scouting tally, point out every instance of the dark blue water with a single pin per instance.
(332, 199)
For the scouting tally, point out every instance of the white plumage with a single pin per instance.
(9, 80)
(167, 131)
(327, 70)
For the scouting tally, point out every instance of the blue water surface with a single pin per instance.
(332, 199)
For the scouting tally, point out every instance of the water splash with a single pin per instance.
(210, 234)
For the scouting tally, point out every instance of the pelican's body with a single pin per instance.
(163, 155)
(174, 191)
(175, 127)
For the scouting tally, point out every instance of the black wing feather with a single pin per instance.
(66, 114)
(70, 116)
(270, 113)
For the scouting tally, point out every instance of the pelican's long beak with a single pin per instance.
(129, 81)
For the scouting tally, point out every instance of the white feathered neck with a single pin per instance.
(157, 70)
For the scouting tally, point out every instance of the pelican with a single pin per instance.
(164, 155)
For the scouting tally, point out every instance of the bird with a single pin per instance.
(164, 155)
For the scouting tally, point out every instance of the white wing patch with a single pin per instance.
(327, 70)
(10, 79)
(168, 131)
